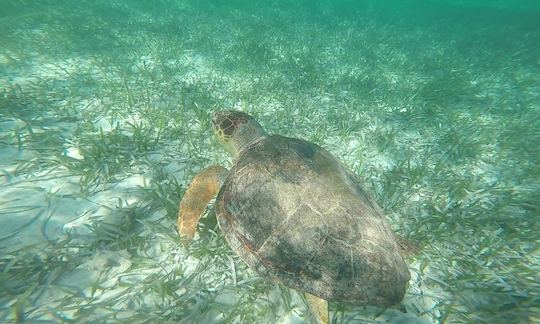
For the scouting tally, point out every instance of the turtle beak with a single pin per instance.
(216, 120)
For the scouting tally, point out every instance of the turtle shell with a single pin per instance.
(299, 217)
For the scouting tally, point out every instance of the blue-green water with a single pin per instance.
(105, 116)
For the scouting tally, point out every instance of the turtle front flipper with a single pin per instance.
(318, 308)
(202, 189)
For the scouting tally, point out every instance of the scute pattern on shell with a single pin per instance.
(297, 216)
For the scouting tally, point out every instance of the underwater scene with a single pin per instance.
(107, 115)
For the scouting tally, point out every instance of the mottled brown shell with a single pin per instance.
(299, 217)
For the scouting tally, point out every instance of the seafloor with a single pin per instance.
(105, 116)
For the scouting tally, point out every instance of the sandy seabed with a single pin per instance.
(105, 116)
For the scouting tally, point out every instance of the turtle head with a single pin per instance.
(236, 130)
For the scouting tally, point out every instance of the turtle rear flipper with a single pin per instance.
(202, 189)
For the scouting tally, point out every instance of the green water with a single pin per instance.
(105, 116)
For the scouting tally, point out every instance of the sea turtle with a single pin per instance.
(298, 216)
